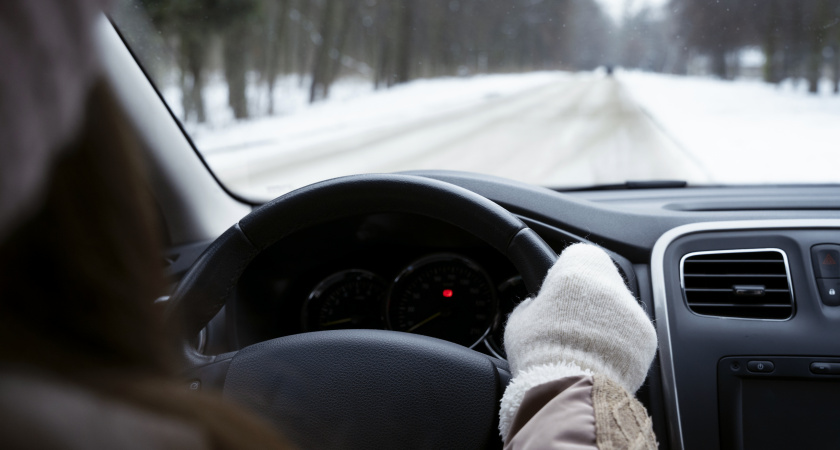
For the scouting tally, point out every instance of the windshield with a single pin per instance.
(278, 94)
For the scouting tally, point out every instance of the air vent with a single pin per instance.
(752, 284)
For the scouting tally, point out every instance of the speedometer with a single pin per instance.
(348, 299)
(444, 296)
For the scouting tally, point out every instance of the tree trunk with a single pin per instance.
(719, 63)
(770, 36)
(814, 69)
(387, 35)
(192, 78)
(815, 48)
(348, 12)
(383, 75)
(816, 34)
(403, 56)
(320, 70)
(235, 67)
(835, 72)
(276, 26)
(770, 69)
(304, 42)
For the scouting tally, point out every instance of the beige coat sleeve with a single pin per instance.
(581, 412)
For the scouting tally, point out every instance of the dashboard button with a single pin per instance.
(826, 259)
(829, 291)
(825, 368)
(760, 366)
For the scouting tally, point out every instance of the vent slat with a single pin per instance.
(737, 275)
(710, 281)
(730, 290)
(724, 261)
(739, 305)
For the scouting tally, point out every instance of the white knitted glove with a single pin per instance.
(584, 321)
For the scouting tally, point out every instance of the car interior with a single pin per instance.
(322, 309)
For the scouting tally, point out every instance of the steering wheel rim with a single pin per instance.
(209, 283)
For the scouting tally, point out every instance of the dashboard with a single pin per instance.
(738, 281)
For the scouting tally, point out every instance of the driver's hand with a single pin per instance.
(583, 322)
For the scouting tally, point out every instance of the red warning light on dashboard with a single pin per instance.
(447, 293)
(829, 261)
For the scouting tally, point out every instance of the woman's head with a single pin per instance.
(78, 278)
(79, 251)
(49, 66)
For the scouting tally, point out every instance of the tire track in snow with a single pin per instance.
(580, 130)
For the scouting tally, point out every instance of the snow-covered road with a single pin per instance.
(567, 130)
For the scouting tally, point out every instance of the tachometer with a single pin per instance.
(444, 296)
(348, 299)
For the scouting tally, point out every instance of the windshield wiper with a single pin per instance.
(627, 185)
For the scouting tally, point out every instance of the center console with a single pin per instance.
(749, 332)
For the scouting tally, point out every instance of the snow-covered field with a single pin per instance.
(581, 128)
(746, 131)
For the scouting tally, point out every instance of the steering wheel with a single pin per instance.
(358, 388)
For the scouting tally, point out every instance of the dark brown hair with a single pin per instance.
(78, 281)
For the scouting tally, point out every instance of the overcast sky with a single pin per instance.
(616, 7)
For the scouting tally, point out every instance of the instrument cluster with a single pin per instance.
(442, 295)
(384, 271)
